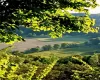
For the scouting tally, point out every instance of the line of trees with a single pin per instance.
(50, 47)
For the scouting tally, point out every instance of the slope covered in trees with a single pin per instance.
(17, 66)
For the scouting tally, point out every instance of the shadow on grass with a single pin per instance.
(90, 53)
(87, 53)
(32, 50)
(81, 51)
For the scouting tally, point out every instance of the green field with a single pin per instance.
(67, 52)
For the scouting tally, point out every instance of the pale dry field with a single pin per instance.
(29, 43)
(34, 42)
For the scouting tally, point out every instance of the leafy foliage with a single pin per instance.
(63, 45)
(36, 49)
(94, 60)
(73, 68)
(47, 15)
(12, 68)
(47, 48)
(50, 47)
(56, 46)
(47, 69)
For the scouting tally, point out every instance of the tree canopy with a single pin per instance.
(46, 15)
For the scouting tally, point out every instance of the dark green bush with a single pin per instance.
(56, 46)
(63, 45)
(86, 59)
(47, 48)
(94, 60)
(32, 50)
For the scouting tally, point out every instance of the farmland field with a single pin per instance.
(34, 42)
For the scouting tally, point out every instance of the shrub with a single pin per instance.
(98, 59)
(94, 60)
(36, 49)
(47, 48)
(73, 45)
(86, 59)
(56, 46)
(63, 45)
